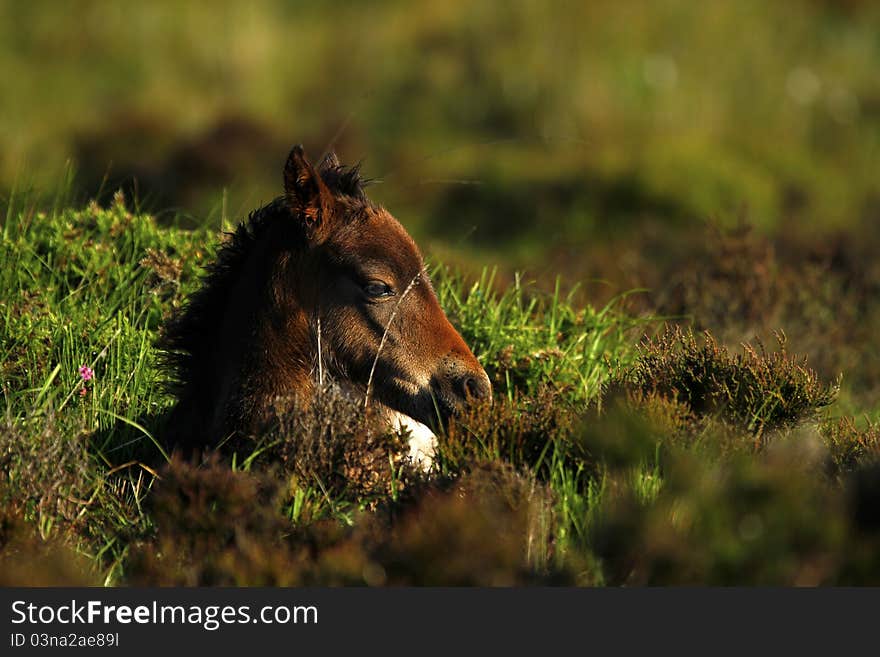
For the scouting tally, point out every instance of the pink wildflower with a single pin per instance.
(83, 392)
(87, 373)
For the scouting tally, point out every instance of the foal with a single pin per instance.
(318, 285)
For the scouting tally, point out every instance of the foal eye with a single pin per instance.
(377, 290)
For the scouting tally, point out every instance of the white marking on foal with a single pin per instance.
(422, 441)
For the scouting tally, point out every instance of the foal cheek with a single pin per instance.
(353, 338)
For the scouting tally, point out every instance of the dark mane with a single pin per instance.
(186, 337)
(344, 180)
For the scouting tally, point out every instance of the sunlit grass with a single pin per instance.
(564, 476)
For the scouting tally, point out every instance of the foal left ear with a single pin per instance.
(307, 195)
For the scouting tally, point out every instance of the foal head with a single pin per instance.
(376, 319)
(319, 284)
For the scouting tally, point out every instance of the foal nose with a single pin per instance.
(475, 386)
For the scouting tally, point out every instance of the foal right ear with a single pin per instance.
(306, 194)
(329, 162)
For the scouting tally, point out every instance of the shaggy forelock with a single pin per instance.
(344, 180)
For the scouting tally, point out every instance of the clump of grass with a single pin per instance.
(213, 526)
(755, 390)
(48, 470)
(333, 445)
(58, 481)
(848, 445)
(522, 432)
(494, 527)
(28, 559)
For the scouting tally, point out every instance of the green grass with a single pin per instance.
(580, 471)
(92, 287)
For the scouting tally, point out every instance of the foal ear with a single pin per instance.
(306, 194)
(329, 162)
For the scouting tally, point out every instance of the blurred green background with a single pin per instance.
(501, 132)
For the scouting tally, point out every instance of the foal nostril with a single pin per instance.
(477, 387)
